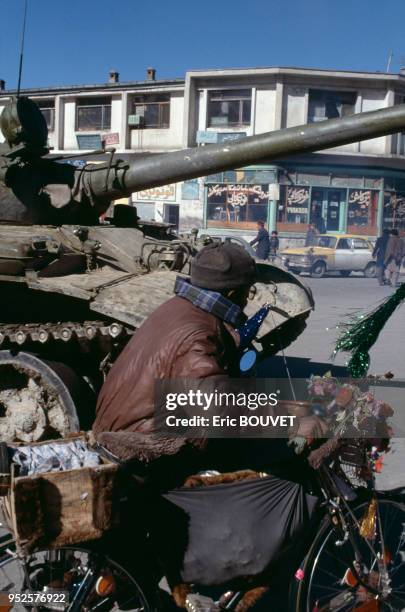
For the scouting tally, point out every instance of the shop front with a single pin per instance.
(237, 206)
(329, 209)
(336, 199)
(237, 200)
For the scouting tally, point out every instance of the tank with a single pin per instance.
(74, 290)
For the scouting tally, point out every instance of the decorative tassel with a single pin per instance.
(362, 331)
(369, 521)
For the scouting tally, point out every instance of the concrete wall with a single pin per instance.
(116, 105)
(295, 107)
(373, 100)
(265, 110)
(69, 124)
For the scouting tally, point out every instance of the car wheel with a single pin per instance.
(370, 271)
(345, 272)
(318, 269)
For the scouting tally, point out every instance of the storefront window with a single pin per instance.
(237, 206)
(293, 208)
(394, 211)
(362, 211)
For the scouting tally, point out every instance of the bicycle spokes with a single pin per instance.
(366, 570)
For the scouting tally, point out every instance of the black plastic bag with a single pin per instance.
(213, 535)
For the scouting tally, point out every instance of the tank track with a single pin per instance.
(62, 332)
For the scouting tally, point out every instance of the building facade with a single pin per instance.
(357, 188)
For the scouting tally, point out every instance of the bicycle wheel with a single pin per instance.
(91, 581)
(329, 583)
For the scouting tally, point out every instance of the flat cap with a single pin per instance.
(219, 266)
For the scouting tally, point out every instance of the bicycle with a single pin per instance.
(356, 560)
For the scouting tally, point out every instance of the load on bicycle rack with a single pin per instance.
(338, 541)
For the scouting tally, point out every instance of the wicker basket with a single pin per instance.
(354, 461)
(59, 508)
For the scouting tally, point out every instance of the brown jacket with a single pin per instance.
(178, 340)
(395, 250)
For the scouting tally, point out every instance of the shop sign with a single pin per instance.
(89, 142)
(165, 193)
(361, 197)
(297, 200)
(111, 139)
(205, 137)
(238, 194)
(190, 190)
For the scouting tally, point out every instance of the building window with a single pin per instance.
(171, 214)
(362, 211)
(47, 108)
(238, 206)
(324, 104)
(394, 211)
(229, 108)
(146, 210)
(293, 208)
(155, 110)
(93, 114)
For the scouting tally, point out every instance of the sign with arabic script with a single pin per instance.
(238, 195)
(360, 196)
(297, 196)
(166, 193)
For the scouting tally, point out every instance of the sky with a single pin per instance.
(78, 41)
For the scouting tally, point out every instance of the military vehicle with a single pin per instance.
(74, 290)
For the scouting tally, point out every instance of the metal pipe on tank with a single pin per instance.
(165, 168)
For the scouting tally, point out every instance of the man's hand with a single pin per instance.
(311, 428)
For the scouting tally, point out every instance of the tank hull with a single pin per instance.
(77, 321)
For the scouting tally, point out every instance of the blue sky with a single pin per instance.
(79, 41)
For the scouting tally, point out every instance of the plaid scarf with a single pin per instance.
(210, 301)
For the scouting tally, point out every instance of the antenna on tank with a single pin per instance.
(22, 48)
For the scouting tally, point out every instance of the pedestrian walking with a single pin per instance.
(263, 241)
(379, 255)
(312, 235)
(274, 244)
(317, 220)
(393, 257)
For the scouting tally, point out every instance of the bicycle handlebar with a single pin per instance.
(317, 456)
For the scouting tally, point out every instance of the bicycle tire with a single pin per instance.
(148, 602)
(299, 588)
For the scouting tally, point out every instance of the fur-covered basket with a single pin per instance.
(60, 508)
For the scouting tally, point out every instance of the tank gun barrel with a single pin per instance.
(47, 191)
(164, 168)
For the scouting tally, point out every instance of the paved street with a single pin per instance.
(335, 297)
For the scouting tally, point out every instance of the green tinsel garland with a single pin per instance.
(361, 332)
